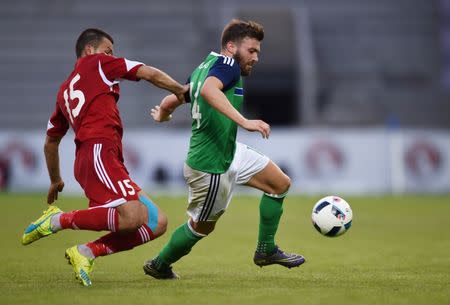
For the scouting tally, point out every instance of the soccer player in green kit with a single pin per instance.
(216, 163)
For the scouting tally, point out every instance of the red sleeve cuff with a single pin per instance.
(131, 75)
(56, 133)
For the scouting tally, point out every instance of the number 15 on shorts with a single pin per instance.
(126, 187)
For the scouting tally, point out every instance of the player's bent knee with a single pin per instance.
(141, 216)
(286, 184)
(131, 216)
(282, 186)
(162, 225)
(155, 219)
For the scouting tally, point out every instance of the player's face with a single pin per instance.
(247, 54)
(105, 46)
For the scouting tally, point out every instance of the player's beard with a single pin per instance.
(243, 65)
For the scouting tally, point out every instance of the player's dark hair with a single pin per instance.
(92, 37)
(236, 30)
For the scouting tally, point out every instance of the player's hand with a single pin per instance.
(257, 125)
(54, 189)
(159, 115)
(180, 95)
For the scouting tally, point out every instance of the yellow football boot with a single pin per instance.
(41, 227)
(82, 265)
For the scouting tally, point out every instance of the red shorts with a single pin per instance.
(101, 173)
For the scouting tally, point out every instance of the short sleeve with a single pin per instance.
(227, 70)
(57, 124)
(115, 68)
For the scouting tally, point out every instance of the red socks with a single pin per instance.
(117, 242)
(95, 219)
(105, 219)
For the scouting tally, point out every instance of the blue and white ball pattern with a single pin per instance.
(332, 216)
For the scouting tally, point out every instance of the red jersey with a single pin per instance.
(87, 100)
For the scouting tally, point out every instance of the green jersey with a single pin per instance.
(213, 140)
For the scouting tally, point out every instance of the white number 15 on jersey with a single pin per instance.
(74, 95)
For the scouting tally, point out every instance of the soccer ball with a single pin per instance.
(332, 216)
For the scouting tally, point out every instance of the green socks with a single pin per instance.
(179, 245)
(270, 210)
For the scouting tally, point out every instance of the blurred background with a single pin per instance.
(356, 91)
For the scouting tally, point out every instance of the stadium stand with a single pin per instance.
(378, 61)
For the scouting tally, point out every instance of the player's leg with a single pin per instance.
(81, 257)
(135, 232)
(209, 195)
(257, 171)
(117, 205)
(137, 222)
(154, 225)
(275, 184)
(128, 216)
(121, 215)
(54, 219)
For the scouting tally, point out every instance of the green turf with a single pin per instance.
(397, 252)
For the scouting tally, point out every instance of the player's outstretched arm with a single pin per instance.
(51, 151)
(162, 80)
(164, 111)
(212, 93)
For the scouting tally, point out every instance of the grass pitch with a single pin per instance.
(397, 252)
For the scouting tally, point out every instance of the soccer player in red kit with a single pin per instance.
(87, 102)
